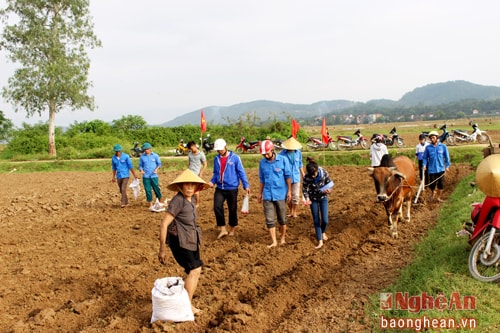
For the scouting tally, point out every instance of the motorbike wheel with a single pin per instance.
(400, 143)
(483, 138)
(450, 141)
(178, 152)
(340, 145)
(332, 146)
(485, 269)
(310, 147)
(458, 140)
(239, 150)
(364, 144)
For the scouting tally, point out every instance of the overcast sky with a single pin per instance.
(163, 58)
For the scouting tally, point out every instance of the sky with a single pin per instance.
(164, 58)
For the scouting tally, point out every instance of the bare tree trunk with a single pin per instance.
(52, 135)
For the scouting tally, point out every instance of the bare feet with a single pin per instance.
(325, 237)
(222, 233)
(196, 311)
(282, 241)
(231, 231)
(272, 245)
(320, 245)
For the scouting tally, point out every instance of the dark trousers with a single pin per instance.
(231, 196)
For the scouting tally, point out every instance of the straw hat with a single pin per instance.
(488, 175)
(291, 144)
(187, 176)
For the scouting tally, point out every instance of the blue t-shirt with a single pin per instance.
(148, 164)
(121, 165)
(273, 175)
(436, 158)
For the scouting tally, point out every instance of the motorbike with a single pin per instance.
(207, 145)
(461, 136)
(317, 144)
(181, 149)
(247, 146)
(278, 144)
(484, 236)
(393, 139)
(446, 137)
(136, 151)
(347, 142)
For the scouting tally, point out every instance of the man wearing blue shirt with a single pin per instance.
(149, 164)
(436, 160)
(121, 165)
(275, 176)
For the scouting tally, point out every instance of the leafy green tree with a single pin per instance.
(6, 126)
(48, 39)
(129, 123)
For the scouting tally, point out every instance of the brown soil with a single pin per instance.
(74, 261)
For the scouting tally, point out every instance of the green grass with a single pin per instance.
(440, 266)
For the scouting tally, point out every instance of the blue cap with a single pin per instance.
(146, 145)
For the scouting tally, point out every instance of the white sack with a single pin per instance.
(135, 185)
(245, 208)
(171, 301)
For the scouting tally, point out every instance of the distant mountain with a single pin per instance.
(262, 110)
(448, 92)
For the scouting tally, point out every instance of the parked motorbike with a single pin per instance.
(484, 230)
(207, 145)
(247, 146)
(278, 144)
(445, 137)
(347, 142)
(317, 144)
(393, 139)
(461, 136)
(181, 149)
(136, 151)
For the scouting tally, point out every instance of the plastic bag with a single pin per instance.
(245, 208)
(171, 301)
(135, 185)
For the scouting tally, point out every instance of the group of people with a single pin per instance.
(280, 176)
(433, 161)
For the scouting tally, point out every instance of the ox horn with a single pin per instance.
(395, 172)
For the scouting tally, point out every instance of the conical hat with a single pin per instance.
(488, 175)
(187, 176)
(291, 144)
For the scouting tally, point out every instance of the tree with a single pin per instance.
(6, 126)
(129, 123)
(49, 40)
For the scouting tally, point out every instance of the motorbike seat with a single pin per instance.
(253, 142)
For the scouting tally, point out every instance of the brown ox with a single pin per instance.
(394, 180)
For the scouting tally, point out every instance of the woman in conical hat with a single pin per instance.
(180, 230)
(488, 175)
(292, 151)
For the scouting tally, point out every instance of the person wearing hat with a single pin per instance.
(275, 177)
(419, 155)
(180, 230)
(377, 150)
(149, 164)
(121, 166)
(292, 151)
(436, 160)
(227, 175)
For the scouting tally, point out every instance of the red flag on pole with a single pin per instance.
(203, 124)
(324, 132)
(295, 128)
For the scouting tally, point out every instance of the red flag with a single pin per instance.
(203, 124)
(324, 132)
(295, 128)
